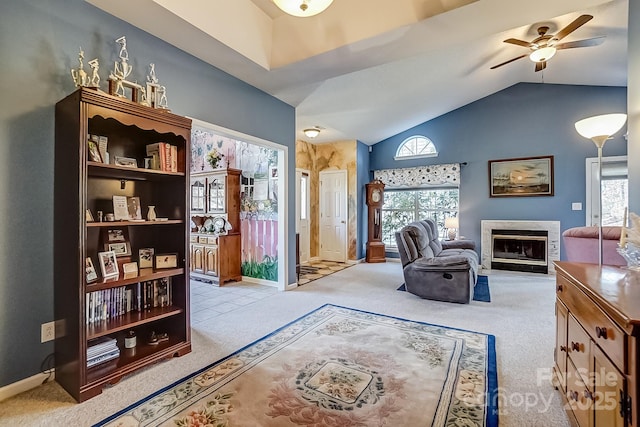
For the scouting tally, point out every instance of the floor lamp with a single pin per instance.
(599, 129)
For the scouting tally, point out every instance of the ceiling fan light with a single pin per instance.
(303, 8)
(543, 54)
(312, 132)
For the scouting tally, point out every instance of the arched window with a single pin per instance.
(415, 147)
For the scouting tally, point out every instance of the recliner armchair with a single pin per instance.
(442, 271)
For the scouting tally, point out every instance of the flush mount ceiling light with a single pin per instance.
(312, 132)
(303, 8)
(543, 54)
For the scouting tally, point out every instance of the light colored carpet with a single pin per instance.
(521, 316)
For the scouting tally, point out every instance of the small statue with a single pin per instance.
(95, 77)
(79, 75)
(122, 69)
(151, 78)
(162, 103)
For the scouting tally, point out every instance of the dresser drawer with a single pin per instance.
(595, 322)
(578, 397)
(578, 346)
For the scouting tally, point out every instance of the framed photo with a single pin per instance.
(527, 176)
(120, 208)
(115, 235)
(166, 261)
(125, 161)
(94, 153)
(119, 248)
(130, 268)
(108, 264)
(133, 206)
(145, 257)
(90, 270)
(89, 216)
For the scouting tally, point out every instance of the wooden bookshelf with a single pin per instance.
(82, 184)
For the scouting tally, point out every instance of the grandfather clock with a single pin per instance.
(375, 199)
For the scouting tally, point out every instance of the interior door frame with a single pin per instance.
(308, 205)
(591, 181)
(345, 202)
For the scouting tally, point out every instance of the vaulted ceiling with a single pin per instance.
(369, 69)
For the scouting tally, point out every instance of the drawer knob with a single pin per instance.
(575, 346)
(563, 348)
(588, 395)
(601, 332)
(559, 288)
(573, 395)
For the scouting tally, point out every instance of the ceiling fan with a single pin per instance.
(543, 47)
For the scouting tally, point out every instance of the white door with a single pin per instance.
(333, 215)
(302, 213)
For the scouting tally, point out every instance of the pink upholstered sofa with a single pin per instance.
(581, 245)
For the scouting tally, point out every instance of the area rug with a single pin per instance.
(337, 366)
(317, 269)
(480, 291)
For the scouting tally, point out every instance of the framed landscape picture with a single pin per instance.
(527, 176)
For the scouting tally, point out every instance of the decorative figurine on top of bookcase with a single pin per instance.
(121, 70)
(79, 76)
(94, 82)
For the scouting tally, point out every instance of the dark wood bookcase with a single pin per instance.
(81, 184)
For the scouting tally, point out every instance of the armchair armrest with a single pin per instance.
(441, 263)
(458, 244)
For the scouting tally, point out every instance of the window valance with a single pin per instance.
(421, 176)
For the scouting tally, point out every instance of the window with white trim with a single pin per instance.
(416, 147)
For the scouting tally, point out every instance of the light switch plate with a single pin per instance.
(576, 206)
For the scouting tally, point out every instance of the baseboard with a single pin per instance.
(26, 384)
(260, 281)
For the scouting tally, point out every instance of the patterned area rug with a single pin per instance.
(337, 366)
(480, 290)
(318, 269)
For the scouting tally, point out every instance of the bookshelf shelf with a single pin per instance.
(124, 130)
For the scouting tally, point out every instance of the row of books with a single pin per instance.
(109, 303)
(102, 350)
(164, 156)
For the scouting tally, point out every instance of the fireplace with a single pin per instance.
(530, 246)
(519, 250)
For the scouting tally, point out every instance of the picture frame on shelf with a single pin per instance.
(166, 261)
(521, 177)
(119, 248)
(108, 264)
(115, 234)
(134, 209)
(120, 208)
(90, 270)
(94, 152)
(128, 162)
(89, 216)
(145, 257)
(130, 268)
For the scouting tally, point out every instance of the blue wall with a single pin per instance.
(39, 43)
(362, 158)
(523, 120)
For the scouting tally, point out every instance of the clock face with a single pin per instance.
(375, 196)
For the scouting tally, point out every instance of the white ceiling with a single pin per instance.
(369, 69)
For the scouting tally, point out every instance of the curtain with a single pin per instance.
(420, 177)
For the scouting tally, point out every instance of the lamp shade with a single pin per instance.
(542, 54)
(451, 222)
(303, 8)
(601, 126)
(312, 132)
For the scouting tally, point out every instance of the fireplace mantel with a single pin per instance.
(551, 227)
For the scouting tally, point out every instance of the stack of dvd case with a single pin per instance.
(102, 350)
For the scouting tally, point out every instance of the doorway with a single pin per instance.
(303, 206)
(333, 215)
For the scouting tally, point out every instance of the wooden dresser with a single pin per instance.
(596, 354)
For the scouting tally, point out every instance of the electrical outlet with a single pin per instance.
(48, 332)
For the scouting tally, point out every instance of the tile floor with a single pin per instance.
(208, 301)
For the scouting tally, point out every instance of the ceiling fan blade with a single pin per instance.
(581, 43)
(509, 61)
(577, 23)
(541, 66)
(518, 42)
